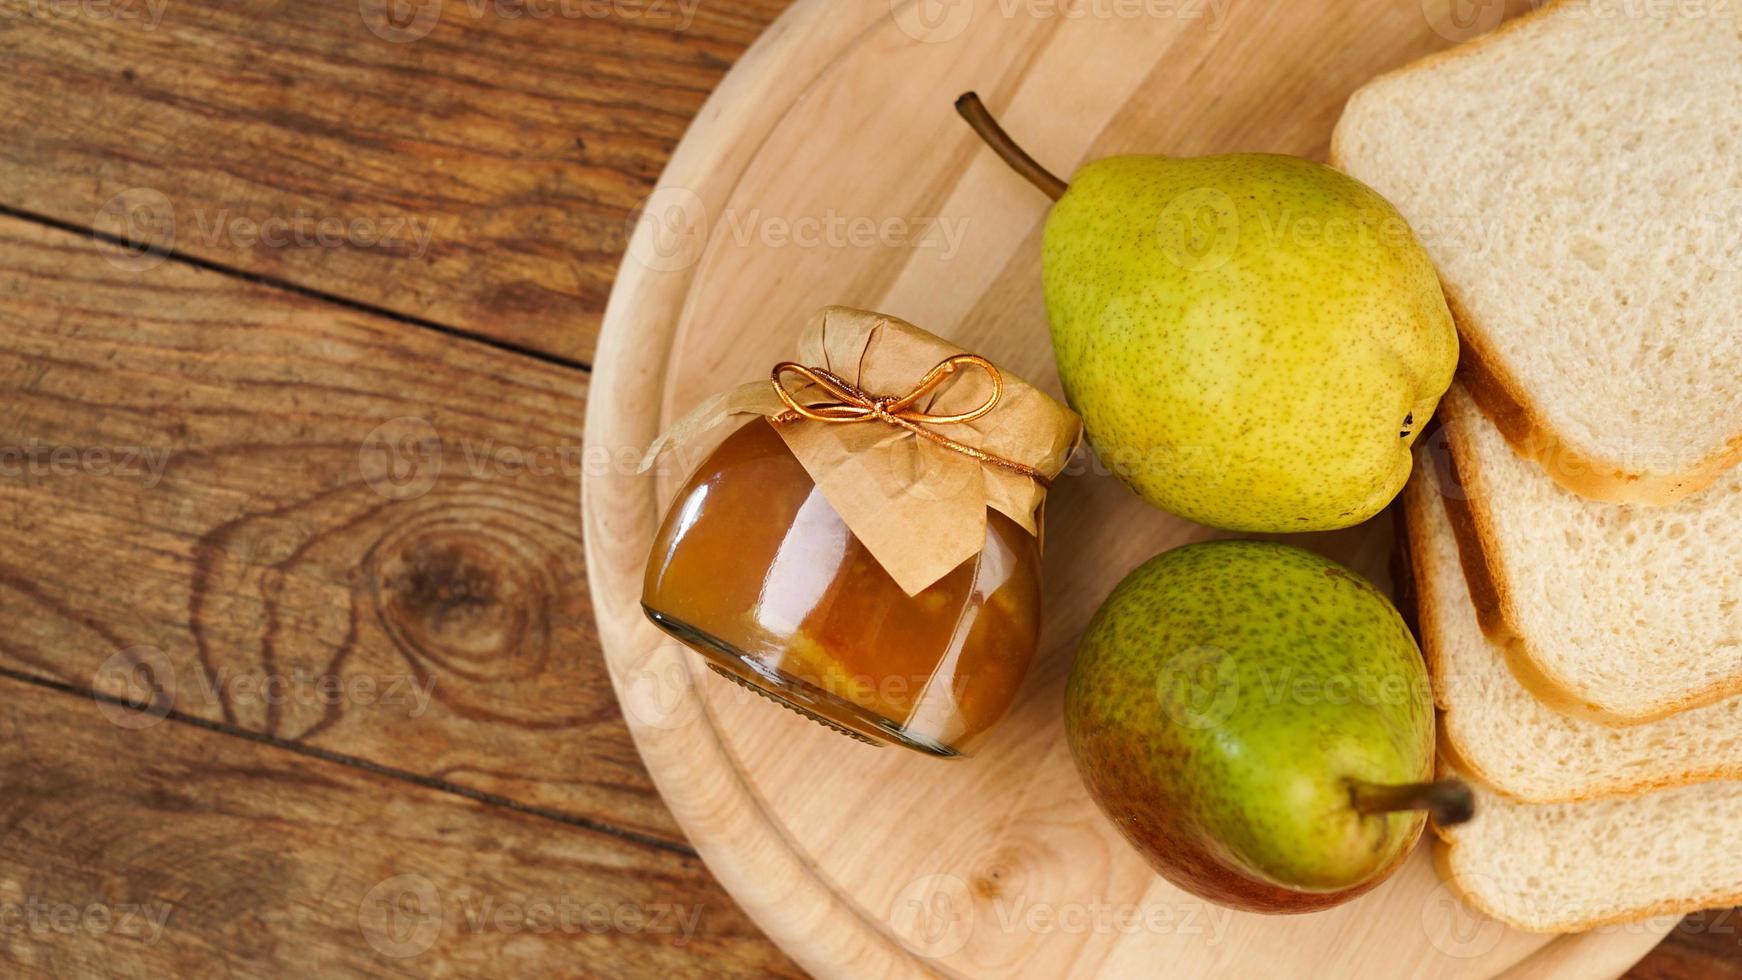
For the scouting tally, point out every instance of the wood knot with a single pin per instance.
(471, 600)
(449, 588)
(1001, 871)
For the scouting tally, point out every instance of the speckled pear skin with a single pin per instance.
(1221, 699)
(1245, 336)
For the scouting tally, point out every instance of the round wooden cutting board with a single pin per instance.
(829, 167)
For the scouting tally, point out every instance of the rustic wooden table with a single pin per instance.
(297, 672)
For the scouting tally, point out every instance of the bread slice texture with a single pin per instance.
(1502, 735)
(1567, 867)
(1573, 177)
(1621, 613)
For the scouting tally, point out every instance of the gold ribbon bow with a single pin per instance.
(853, 404)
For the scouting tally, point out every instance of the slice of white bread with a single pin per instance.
(1566, 867)
(1621, 613)
(1498, 733)
(1573, 176)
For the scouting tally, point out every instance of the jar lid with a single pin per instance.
(907, 436)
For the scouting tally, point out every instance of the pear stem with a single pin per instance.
(979, 118)
(1449, 800)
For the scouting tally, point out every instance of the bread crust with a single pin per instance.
(1497, 608)
(1445, 863)
(1502, 399)
(1429, 600)
(1445, 852)
(1489, 587)
(1499, 394)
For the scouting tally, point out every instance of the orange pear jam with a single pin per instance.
(754, 570)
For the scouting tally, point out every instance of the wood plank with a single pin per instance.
(309, 523)
(178, 851)
(1705, 946)
(474, 165)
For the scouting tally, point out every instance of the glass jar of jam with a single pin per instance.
(757, 572)
(865, 548)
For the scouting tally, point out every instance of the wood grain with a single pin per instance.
(1705, 946)
(178, 851)
(304, 522)
(523, 146)
(474, 161)
(797, 821)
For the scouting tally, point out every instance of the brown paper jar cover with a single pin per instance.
(882, 580)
